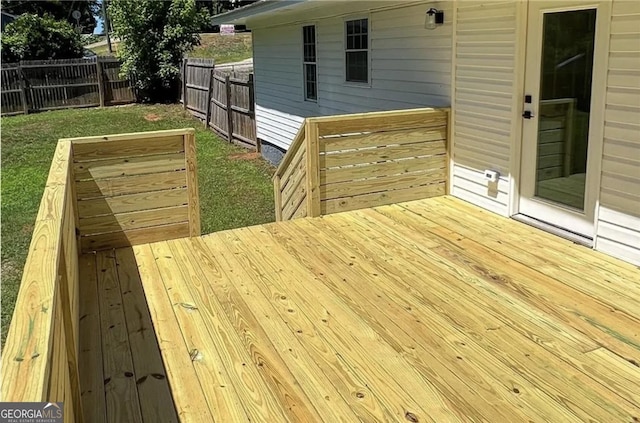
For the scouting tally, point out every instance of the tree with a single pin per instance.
(31, 37)
(220, 6)
(154, 37)
(58, 9)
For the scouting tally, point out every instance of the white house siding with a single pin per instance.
(277, 63)
(486, 89)
(618, 230)
(410, 67)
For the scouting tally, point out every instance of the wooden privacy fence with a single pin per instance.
(349, 162)
(222, 99)
(31, 86)
(101, 193)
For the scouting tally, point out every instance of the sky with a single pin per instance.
(98, 29)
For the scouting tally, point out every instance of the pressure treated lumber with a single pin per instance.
(133, 202)
(128, 166)
(207, 357)
(534, 326)
(191, 404)
(430, 310)
(347, 158)
(135, 188)
(32, 354)
(120, 384)
(154, 394)
(90, 359)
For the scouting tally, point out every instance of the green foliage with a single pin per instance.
(58, 9)
(224, 48)
(154, 37)
(92, 38)
(31, 37)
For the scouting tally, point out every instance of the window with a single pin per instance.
(309, 62)
(357, 51)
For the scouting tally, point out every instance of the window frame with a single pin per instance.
(362, 84)
(313, 63)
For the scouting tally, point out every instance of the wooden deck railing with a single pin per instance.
(135, 188)
(102, 192)
(348, 162)
(290, 180)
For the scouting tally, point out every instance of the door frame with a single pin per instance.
(597, 118)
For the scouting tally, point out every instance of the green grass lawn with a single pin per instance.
(224, 48)
(235, 188)
(104, 50)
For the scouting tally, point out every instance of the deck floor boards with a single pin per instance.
(122, 377)
(429, 311)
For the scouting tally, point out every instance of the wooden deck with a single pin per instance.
(429, 311)
(122, 377)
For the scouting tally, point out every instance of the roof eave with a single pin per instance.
(260, 8)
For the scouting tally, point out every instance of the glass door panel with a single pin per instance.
(566, 72)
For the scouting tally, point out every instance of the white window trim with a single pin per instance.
(344, 51)
(304, 72)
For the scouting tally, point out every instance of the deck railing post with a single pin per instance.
(192, 183)
(312, 142)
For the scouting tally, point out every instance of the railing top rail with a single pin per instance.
(130, 136)
(377, 121)
(376, 115)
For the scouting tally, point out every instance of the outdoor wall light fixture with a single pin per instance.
(434, 18)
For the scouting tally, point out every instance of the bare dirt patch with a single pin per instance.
(152, 117)
(245, 156)
(8, 267)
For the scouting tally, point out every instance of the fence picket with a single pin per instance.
(224, 99)
(58, 84)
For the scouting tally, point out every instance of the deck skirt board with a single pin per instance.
(429, 311)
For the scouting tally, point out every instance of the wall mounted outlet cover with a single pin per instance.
(491, 175)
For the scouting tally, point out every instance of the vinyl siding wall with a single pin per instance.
(410, 67)
(618, 230)
(487, 90)
(413, 67)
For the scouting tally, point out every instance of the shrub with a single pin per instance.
(31, 37)
(154, 37)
